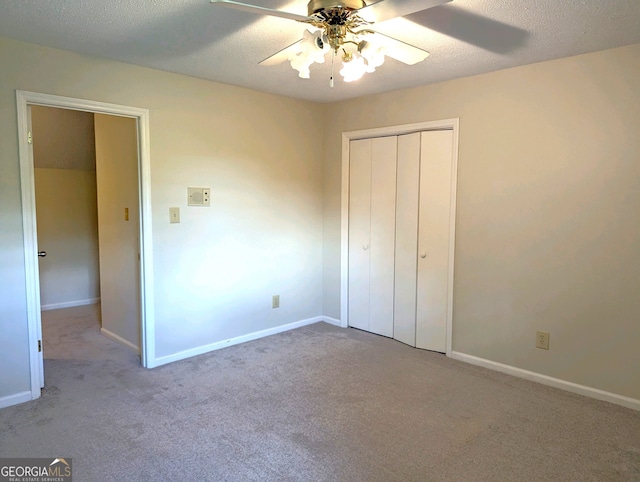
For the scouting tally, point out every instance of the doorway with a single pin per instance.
(86, 188)
(143, 208)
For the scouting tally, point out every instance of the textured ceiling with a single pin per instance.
(192, 37)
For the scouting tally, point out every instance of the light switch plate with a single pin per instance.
(174, 215)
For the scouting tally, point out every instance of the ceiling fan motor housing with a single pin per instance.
(315, 6)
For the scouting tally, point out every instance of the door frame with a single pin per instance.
(24, 99)
(445, 124)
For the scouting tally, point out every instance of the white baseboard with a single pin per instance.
(550, 381)
(69, 304)
(163, 360)
(333, 321)
(119, 339)
(15, 399)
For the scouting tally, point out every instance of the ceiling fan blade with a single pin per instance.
(483, 32)
(388, 9)
(259, 10)
(399, 50)
(283, 55)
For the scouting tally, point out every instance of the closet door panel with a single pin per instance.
(408, 179)
(433, 235)
(359, 232)
(382, 251)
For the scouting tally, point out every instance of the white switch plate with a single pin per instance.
(174, 215)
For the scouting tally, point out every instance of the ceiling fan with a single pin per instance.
(343, 28)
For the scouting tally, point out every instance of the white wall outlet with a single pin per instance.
(174, 215)
(275, 301)
(199, 196)
(542, 340)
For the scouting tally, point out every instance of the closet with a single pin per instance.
(400, 250)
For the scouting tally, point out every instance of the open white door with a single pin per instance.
(30, 248)
(39, 253)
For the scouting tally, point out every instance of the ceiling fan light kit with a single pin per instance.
(338, 29)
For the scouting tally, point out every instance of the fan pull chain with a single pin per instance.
(333, 57)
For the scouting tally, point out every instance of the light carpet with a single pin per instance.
(316, 403)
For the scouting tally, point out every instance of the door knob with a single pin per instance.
(42, 254)
(423, 255)
(365, 246)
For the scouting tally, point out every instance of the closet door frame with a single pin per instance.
(347, 137)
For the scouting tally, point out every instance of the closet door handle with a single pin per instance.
(423, 255)
(365, 246)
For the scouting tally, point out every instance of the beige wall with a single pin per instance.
(548, 223)
(116, 145)
(68, 232)
(215, 272)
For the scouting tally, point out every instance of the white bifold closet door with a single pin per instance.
(434, 235)
(423, 230)
(399, 236)
(406, 255)
(372, 208)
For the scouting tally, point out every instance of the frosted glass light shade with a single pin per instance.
(354, 69)
(374, 55)
(313, 48)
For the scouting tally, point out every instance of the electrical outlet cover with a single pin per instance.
(542, 340)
